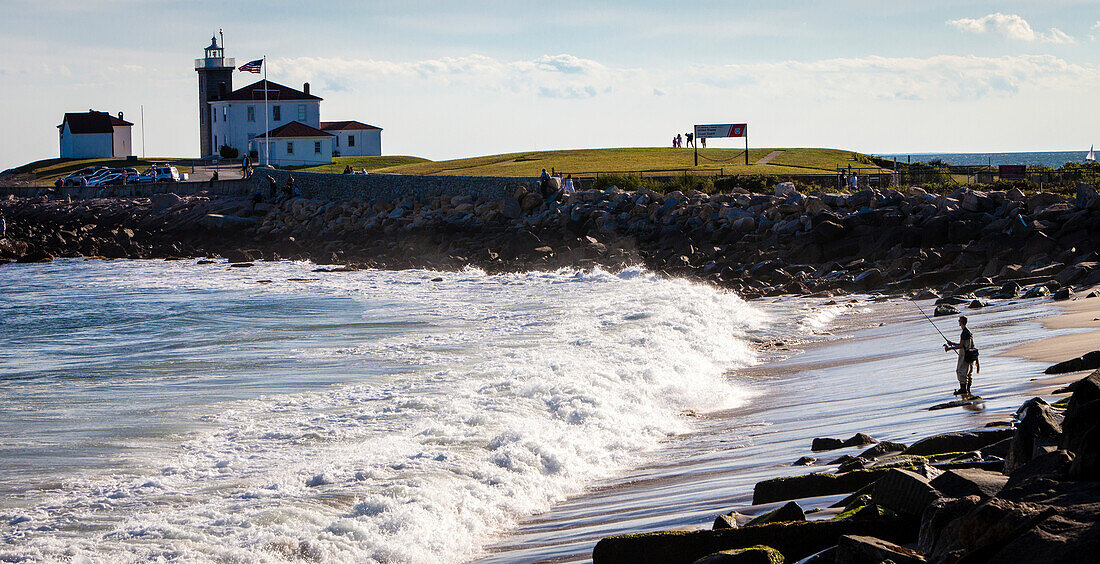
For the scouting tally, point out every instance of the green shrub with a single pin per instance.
(228, 152)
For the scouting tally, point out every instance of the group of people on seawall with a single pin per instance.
(687, 140)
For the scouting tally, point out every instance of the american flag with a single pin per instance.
(252, 66)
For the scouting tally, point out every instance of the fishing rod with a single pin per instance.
(932, 322)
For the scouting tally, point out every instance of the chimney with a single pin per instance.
(305, 88)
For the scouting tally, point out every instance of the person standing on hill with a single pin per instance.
(968, 357)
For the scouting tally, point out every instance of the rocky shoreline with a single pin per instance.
(1021, 490)
(965, 242)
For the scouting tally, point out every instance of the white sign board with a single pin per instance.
(721, 130)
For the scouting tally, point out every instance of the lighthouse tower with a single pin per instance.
(215, 81)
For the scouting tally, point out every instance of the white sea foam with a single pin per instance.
(517, 391)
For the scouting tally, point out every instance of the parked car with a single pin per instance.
(130, 175)
(167, 174)
(106, 180)
(91, 180)
(77, 178)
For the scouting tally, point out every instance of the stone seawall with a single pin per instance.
(392, 187)
(219, 188)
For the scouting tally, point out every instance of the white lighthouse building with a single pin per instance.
(271, 122)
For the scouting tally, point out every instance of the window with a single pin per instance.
(252, 113)
(276, 113)
(213, 114)
(290, 147)
(301, 112)
(337, 140)
(317, 147)
(351, 140)
(202, 118)
(216, 147)
(225, 113)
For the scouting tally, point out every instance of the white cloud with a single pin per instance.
(1056, 35)
(1009, 26)
(941, 77)
(566, 77)
(550, 76)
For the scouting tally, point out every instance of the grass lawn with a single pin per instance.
(575, 161)
(48, 170)
(580, 161)
(359, 163)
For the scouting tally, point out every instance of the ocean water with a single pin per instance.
(166, 410)
(1052, 159)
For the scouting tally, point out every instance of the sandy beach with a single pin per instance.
(1078, 326)
(878, 374)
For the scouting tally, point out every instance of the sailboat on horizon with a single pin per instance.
(1091, 157)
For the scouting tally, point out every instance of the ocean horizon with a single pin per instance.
(1029, 158)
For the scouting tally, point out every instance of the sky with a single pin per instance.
(452, 79)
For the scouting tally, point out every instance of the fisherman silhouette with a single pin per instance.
(968, 357)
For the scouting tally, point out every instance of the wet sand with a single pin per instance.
(1079, 323)
(879, 375)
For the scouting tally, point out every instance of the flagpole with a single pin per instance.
(267, 138)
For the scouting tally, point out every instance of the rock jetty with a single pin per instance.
(972, 244)
(1026, 491)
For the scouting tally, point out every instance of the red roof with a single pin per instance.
(91, 122)
(343, 125)
(295, 129)
(275, 92)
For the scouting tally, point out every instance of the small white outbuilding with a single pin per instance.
(294, 144)
(354, 139)
(93, 134)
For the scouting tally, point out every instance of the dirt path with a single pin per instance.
(769, 157)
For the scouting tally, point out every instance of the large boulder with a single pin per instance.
(812, 485)
(750, 555)
(1087, 361)
(989, 525)
(1085, 390)
(1049, 465)
(1039, 521)
(218, 222)
(882, 449)
(794, 540)
(856, 549)
(965, 441)
(965, 482)
(165, 201)
(858, 439)
(1039, 427)
(789, 511)
(937, 516)
(732, 520)
(944, 310)
(904, 492)
(1077, 423)
(1087, 197)
(1086, 462)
